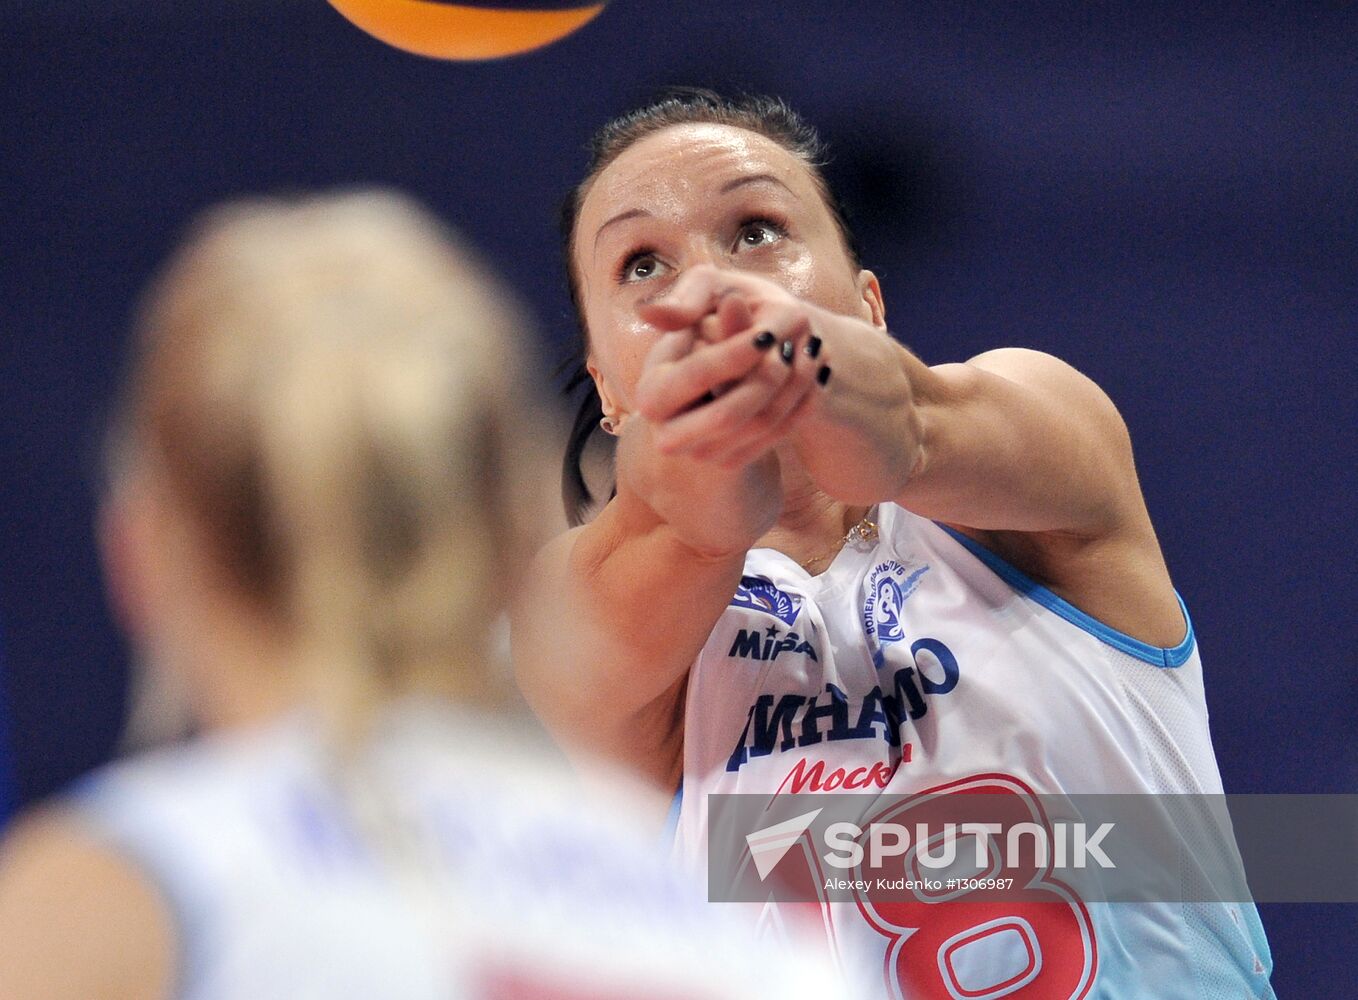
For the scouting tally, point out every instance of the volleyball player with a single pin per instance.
(827, 565)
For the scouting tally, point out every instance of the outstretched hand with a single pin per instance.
(739, 365)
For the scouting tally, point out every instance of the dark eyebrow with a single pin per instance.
(631, 213)
(727, 188)
(753, 179)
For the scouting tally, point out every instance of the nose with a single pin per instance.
(704, 254)
(707, 257)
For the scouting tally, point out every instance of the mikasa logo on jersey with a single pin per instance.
(758, 593)
(755, 645)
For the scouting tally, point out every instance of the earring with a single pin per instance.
(607, 424)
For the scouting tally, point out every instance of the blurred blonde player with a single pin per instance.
(318, 505)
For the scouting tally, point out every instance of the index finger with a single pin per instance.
(732, 315)
(689, 299)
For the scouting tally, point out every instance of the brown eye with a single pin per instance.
(758, 232)
(638, 267)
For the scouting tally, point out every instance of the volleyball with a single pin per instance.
(463, 32)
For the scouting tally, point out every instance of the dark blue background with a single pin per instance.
(1164, 194)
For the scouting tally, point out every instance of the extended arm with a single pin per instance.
(1014, 447)
(617, 611)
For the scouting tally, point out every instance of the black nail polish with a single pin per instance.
(823, 375)
(764, 341)
(813, 347)
(789, 351)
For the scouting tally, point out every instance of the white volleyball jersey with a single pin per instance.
(920, 661)
(496, 878)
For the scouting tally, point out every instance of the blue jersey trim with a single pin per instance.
(671, 828)
(1158, 656)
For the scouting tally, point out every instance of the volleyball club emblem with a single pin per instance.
(889, 587)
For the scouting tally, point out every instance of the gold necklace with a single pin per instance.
(864, 532)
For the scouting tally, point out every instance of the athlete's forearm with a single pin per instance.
(618, 610)
(713, 510)
(865, 438)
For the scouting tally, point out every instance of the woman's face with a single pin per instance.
(701, 194)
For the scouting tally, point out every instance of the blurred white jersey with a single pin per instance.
(482, 872)
(919, 661)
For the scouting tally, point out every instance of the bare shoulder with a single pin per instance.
(76, 918)
(552, 558)
(1057, 380)
(1118, 573)
(545, 582)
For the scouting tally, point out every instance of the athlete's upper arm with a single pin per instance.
(1017, 440)
(613, 617)
(77, 921)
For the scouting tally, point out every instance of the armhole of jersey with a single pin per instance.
(1158, 656)
(671, 828)
(98, 818)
